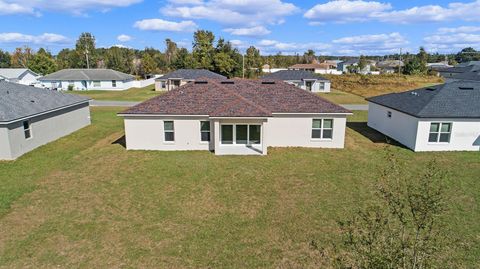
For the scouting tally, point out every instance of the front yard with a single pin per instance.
(85, 202)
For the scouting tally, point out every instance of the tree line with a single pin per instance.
(208, 52)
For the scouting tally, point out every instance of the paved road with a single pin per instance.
(129, 103)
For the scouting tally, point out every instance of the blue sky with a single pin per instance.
(341, 27)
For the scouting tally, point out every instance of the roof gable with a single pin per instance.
(15, 73)
(293, 75)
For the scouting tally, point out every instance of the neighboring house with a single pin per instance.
(317, 68)
(348, 65)
(303, 79)
(181, 77)
(390, 66)
(88, 79)
(266, 68)
(472, 76)
(235, 117)
(452, 72)
(22, 76)
(438, 118)
(31, 117)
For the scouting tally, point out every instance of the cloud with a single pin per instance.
(359, 10)
(163, 25)
(252, 31)
(371, 44)
(232, 12)
(453, 39)
(77, 7)
(124, 38)
(461, 29)
(268, 46)
(43, 39)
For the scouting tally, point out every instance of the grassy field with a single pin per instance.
(85, 202)
(133, 94)
(340, 97)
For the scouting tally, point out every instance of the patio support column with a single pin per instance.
(264, 143)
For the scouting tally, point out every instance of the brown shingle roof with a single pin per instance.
(239, 98)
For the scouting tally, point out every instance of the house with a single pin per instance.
(88, 79)
(23, 76)
(351, 66)
(266, 68)
(452, 72)
(438, 118)
(305, 80)
(235, 117)
(472, 76)
(181, 77)
(390, 66)
(31, 117)
(317, 68)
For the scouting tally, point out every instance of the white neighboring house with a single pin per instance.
(266, 68)
(346, 66)
(22, 76)
(318, 68)
(305, 80)
(31, 117)
(235, 117)
(88, 79)
(438, 118)
(181, 77)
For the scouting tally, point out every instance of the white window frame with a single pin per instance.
(25, 130)
(234, 134)
(209, 131)
(169, 131)
(440, 124)
(321, 129)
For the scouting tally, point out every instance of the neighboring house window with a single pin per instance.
(114, 83)
(308, 85)
(440, 132)
(241, 134)
(389, 114)
(321, 85)
(168, 129)
(96, 83)
(163, 84)
(27, 131)
(205, 131)
(322, 129)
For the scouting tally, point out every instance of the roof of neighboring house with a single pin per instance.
(459, 99)
(312, 66)
(350, 61)
(469, 63)
(459, 69)
(20, 101)
(390, 64)
(236, 98)
(474, 75)
(293, 75)
(86, 74)
(14, 73)
(191, 74)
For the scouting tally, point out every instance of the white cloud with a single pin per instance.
(251, 31)
(453, 39)
(268, 46)
(14, 8)
(124, 38)
(232, 12)
(43, 39)
(359, 10)
(371, 44)
(461, 29)
(163, 25)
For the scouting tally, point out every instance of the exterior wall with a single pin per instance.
(401, 127)
(146, 133)
(315, 87)
(5, 153)
(47, 128)
(78, 85)
(296, 131)
(28, 78)
(328, 71)
(168, 84)
(465, 135)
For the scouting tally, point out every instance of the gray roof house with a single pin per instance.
(452, 73)
(87, 79)
(445, 117)
(23, 76)
(181, 77)
(31, 117)
(347, 65)
(303, 79)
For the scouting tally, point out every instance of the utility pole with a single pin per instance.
(243, 65)
(399, 63)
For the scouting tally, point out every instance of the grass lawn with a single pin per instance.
(85, 202)
(133, 94)
(340, 97)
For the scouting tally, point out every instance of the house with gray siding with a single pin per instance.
(31, 117)
(306, 80)
(88, 79)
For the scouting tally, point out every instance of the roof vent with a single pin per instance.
(430, 89)
(200, 82)
(268, 82)
(466, 88)
(227, 82)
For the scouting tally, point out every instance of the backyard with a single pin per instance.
(132, 94)
(85, 202)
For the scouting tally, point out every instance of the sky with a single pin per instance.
(339, 27)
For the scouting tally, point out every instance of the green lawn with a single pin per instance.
(133, 94)
(340, 97)
(85, 202)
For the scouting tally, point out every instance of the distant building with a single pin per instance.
(22, 76)
(266, 68)
(318, 68)
(348, 65)
(390, 66)
(181, 77)
(88, 79)
(305, 80)
(453, 72)
(31, 117)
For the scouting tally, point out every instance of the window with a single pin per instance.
(322, 85)
(163, 84)
(71, 83)
(241, 134)
(308, 85)
(96, 83)
(440, 132)
(322, 129)
(169, 131)
(114, 83)
(389, 114)
(205, 131)
(27, 130)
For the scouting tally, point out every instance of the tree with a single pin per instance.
(253, 62)
(183, 60)
(118, 59)
(203, 49)
(67, 58)
(467, 54)
(309, 56)
(4, 59)
(21, 57)
(85, 48)
(42, 63)
(148, 64)
(227, 60)
(362, 63)
(170, 52)
(403, 228)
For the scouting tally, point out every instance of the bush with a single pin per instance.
(70, 87)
